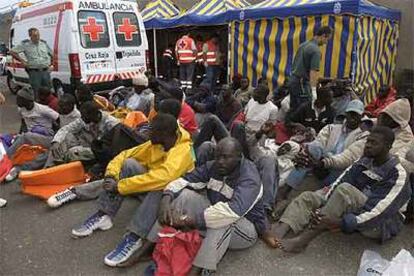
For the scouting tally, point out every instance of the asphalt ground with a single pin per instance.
(35, 240)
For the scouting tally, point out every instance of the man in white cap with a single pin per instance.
(140, 101)
(338, 147)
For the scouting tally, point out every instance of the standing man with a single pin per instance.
(168, 62)
(305, 69)
(38, 62)
(212, 58)
(186, 52)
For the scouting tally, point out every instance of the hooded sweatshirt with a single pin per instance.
(163, 166)
(400, 112)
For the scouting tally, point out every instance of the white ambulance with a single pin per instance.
(99, 43)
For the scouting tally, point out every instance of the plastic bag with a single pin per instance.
(401, 265)
(372, 264)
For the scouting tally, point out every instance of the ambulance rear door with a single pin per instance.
(96, 52)
(130, 42)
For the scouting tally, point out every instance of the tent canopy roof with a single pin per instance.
(288, 8)
(219, 12)
(159, 9)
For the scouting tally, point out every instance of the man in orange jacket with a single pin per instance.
(186, 52)
(212, 59)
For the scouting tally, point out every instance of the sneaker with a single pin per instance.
(3, 202)
(96, 221)
(124, 250)
(61, 198)
(13, 174)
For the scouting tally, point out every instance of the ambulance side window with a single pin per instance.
(93, 29)
(127, 29)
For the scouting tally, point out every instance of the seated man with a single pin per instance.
(203, 103)
(227, 106)
(143, 171)
(47, 98)
(335, 148)
(67, 109)
(73, 141)
(231, 214)
(386, 95)
(244, 93)
(39, 121)
(139, 101)
(367, 198)
(316, 113)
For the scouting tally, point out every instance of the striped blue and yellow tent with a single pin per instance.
(265, 38)
(204, 13)
(159, 9)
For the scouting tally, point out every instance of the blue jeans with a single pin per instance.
(269, 173)
(212, 74)
(146, 214)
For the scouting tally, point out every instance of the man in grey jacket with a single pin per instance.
(73, 141)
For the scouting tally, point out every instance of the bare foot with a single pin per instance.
(294, 245)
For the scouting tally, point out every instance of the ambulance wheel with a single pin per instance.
(58, 87)
(13, 87)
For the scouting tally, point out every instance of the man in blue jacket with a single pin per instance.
(232, 214)
(366, 198)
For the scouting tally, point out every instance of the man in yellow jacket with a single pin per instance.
(143, 172)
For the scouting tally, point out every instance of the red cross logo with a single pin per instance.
(127, 29)
(92, 29)
(182, 44)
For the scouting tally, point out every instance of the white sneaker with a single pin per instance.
(3, 202)
(125, 249)
(61, 198)
(13, 174)
(96, 221)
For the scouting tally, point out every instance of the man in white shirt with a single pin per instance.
(67, 110)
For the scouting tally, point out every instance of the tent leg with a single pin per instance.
(229, 54)
(155, 53)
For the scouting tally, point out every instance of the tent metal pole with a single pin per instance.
(155, 52)
(229, 54)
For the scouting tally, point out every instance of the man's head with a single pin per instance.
(396, 115)
(44, 93)
(25, 98)
(90, 112)
(354, 112)
(324, 96)
(244, 83)
(66, 104)
(170, 106)
(139, 83)
(83, 94)
(226, 92)
(260, 94)
(323, 35)
(164, 131)
(34, 35)
(262, 81)
(384, 91)
(379, 142)
(228, 155)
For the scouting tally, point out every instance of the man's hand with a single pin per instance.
(165, 211)
(110, 185)
(182, 221)
(302, 160)
(51, 67)
(321, 221)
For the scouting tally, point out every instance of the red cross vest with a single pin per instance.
(185, 53)
(200, 54)
(212, 53)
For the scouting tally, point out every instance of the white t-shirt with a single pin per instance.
(40, 115)
(258, 114)
(69, 118)
(284, 109)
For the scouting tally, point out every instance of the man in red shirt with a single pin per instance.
(47, 98)
(386, 95)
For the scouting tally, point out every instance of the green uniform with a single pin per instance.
(307, 58)
(39, 58)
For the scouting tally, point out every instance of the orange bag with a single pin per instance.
(134, 119)
(26, 153)
(44, 183)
